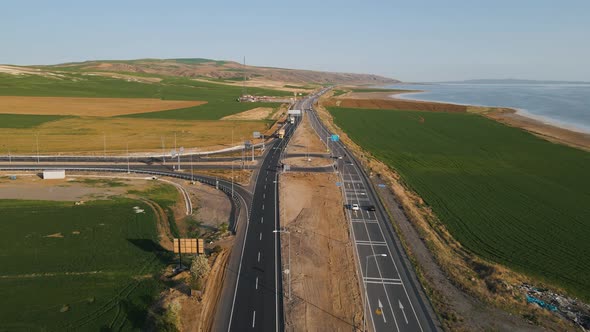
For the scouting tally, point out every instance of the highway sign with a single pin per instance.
(338, 184)
(247, 144)
(256, 134)
(381, 185)
(334, 138)
(294, 112)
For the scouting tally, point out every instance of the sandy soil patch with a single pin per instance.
(132, 78)
(88, 106)
(305, 162)
(370, 95)
(14, 70)
(305, 140)
(88, 135)
(392, 103)
(543, 130)
(258, 113)
(213, 207)
(324, 284)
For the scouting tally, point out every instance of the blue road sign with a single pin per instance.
(335, 138)
(381, 185)
(339, 184)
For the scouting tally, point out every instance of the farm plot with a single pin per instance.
(221, 99)
(77, 267)
(503, 193)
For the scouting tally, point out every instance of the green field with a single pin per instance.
(503, 193)
(97, 272)
(25, 120)
(221, 99)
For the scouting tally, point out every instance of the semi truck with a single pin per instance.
(281, 133)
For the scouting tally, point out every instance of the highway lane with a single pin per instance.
(258, 300)
(394, 299)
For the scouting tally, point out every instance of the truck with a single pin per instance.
(281, 133)
(291, 119)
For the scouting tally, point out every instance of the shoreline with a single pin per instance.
(519, 111)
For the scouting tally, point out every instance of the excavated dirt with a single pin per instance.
(325, 292)
(305, 140)
(305, 162)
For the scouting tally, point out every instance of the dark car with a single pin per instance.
(371, 208)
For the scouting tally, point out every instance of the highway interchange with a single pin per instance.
(252, 296)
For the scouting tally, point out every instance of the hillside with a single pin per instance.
(219, 70)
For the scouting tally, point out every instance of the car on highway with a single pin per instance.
(355, 207)
(371, 208)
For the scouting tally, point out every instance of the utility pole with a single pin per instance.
(104, 145)
(37, 142)
(192, 176)
(128, 171)
(163, 150)
(232, 164)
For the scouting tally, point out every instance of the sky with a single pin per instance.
(414, 41)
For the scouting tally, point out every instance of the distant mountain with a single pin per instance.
(513, 81)
(219, 70)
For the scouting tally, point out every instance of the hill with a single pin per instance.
(218, 70)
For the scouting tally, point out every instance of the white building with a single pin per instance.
(54, 174)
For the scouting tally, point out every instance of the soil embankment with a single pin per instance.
(325, 292)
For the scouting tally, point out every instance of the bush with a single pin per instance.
(200, 267)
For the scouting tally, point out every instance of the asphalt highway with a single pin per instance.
(393, 298)
(258, 300)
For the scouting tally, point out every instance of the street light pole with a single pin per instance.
(365, 283)
(37, 142)
(128, 158)
(289, 260)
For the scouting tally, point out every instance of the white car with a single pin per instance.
(355, 207)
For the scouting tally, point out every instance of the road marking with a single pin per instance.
(259, 257)
(380, 309)
(262, 220)
(254, 319)
(403, 312)
(264, 196)
(256, 282)
(263, 206)
(264, 187)
(260, 237)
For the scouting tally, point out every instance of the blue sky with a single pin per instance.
(409, 40)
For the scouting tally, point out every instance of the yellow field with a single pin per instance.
(86, 135)
(88, 106)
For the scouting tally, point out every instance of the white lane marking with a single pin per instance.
(401, 307)
(256, 282)
(263, 206)
(264, 196)
(259, 257)
(260, 237)
(254, 319)
(264, 187)
(262, 220)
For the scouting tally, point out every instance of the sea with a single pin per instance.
(562, 105)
